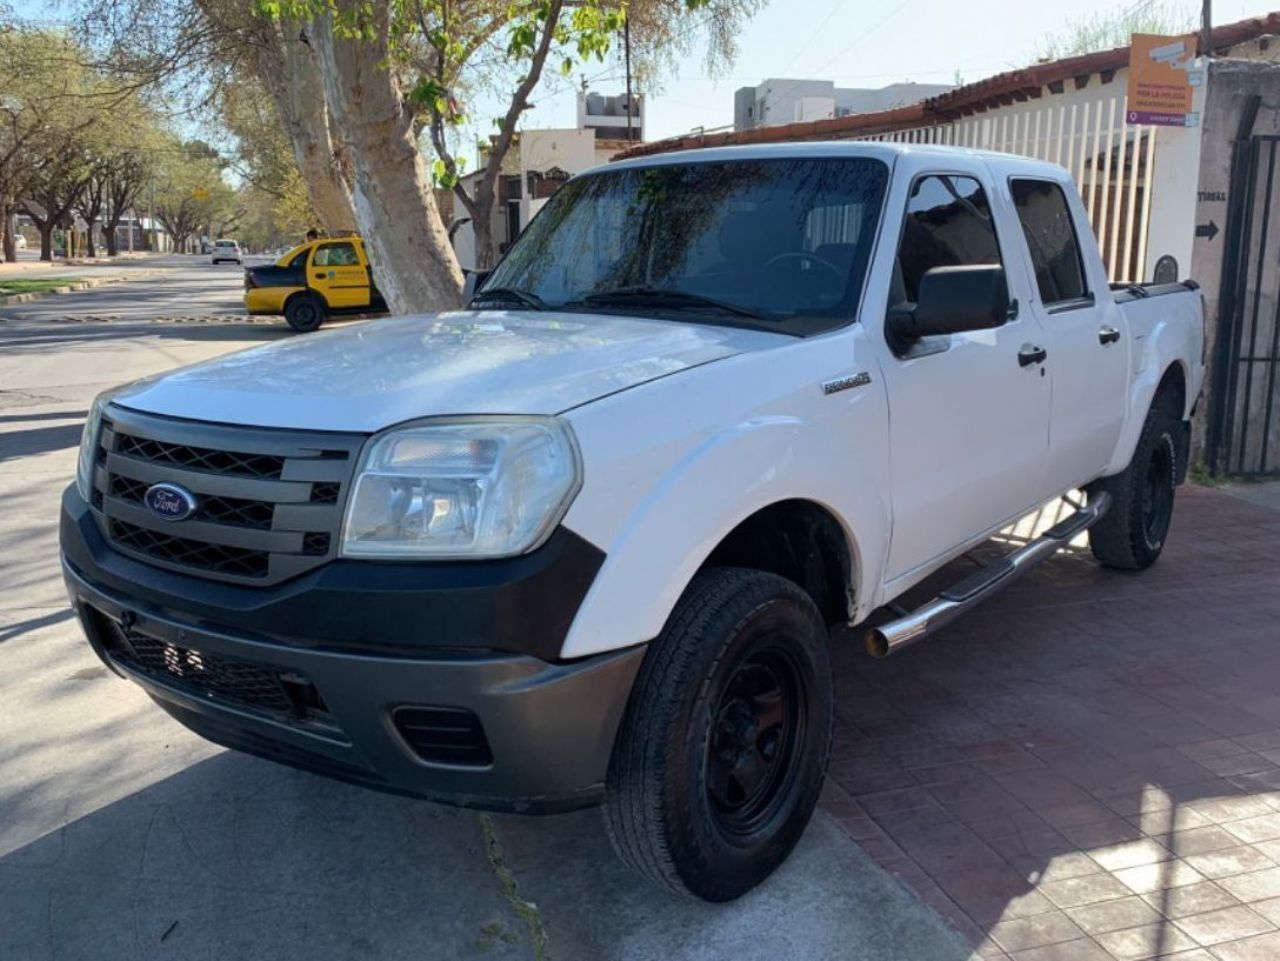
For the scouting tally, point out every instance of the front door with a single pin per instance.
(969, 416)
(338, 274)
(1087, 356)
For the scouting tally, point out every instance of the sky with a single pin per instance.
(856, 43)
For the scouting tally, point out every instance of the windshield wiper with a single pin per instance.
(508, 295)
(661, 297)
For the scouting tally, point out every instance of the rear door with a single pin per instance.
(969, 418)
(1083, 329)
(336, 271)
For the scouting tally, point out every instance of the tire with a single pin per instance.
(724, 747)
(1132, 534)
(304, 313)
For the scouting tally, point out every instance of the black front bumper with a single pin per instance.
(369, 656)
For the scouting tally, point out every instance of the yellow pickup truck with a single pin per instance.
(312, 282)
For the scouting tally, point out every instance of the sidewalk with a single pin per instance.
(1087, 767)
(18, 267)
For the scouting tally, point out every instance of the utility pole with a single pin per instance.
(1206, 28)
(626, 47)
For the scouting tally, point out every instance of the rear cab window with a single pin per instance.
(1050, 232)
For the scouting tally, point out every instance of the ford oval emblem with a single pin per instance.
(169, 501)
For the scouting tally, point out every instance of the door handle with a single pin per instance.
(1031, 354)
(320, 276)
(1108, 335)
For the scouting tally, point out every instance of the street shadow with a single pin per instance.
(1083, 755)
(52, 338)
(239, 858)
(38, 440)
(78, 415)
(234, 857)
(13, 631)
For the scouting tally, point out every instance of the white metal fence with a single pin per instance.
(1111, 161)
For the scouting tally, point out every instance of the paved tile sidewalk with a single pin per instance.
(1088, 766)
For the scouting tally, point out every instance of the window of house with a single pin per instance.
(948, 224)
(336, 255)
(1051, 239)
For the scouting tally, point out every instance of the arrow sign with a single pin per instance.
(1209, 230)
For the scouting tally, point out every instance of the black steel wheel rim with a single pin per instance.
(757, 731)
(1157, 495)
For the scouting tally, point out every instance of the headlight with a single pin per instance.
(88, 445)
(475, 488)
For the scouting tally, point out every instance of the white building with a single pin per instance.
(779, 100)
(609, 117)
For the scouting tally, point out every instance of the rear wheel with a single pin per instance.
(722, 754)
(1132, 534)
(304, 312)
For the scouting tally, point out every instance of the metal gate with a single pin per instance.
(1246, 392)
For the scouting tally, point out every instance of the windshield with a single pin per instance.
(780, 244)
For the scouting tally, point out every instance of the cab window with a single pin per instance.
(336, 255)
(948, 224)
(299, 260)
(1051, 240)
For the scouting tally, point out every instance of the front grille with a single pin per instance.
(281, 695)
(220, 510)
(217, 558)
(325, 493)
(199, 458)
(445, 735)
(268, 502)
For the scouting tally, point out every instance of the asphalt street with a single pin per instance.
(123, 836)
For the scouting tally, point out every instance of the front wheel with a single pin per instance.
(724, 747)
(1132, 534)
(304, 313)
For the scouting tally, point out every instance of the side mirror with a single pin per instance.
(472, 282)
(952, 300)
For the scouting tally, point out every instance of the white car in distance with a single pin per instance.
(227, 250)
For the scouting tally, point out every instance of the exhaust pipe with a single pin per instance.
(977, 587)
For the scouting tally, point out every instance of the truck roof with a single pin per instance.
(888, 152)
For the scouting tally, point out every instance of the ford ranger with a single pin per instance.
(585, 540)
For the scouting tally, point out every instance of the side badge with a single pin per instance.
(861, 379)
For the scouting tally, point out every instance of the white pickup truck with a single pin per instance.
(584, 540)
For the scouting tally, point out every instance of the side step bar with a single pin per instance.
(977, 587)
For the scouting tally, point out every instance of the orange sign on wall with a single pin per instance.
(1162, 75)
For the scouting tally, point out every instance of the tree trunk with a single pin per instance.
(482, 225)
(46, 239)
(8, 242)
(113, 243)
(290, 69)
(413, 262)
(90, 250)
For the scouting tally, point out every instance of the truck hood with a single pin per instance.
(368, 377)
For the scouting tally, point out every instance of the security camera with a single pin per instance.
(1173, 54)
